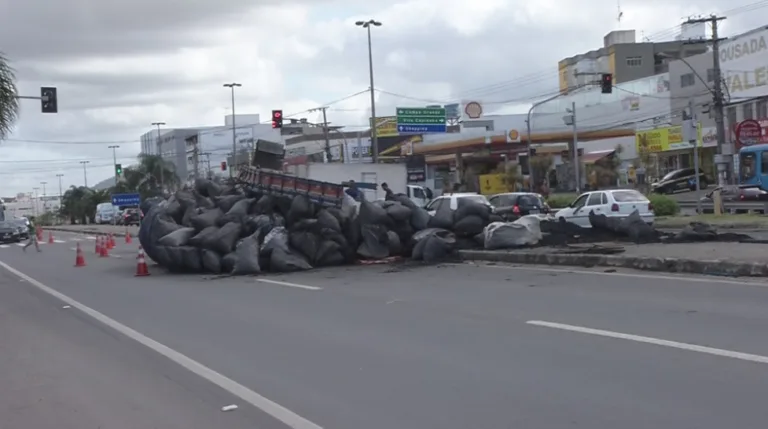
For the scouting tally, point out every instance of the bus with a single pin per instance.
(753, 166)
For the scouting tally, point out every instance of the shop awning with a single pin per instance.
(593, 157)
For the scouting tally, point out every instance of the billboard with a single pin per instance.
(663, 139)
(386, 126)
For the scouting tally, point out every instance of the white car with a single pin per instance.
(453, 201)
(613, 203)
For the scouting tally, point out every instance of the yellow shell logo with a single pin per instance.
(514, 135)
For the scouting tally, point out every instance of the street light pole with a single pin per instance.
(36, 200)
(374, 137)
(60, 194)
(44, 183)
(85, 172)
(114, 160)
(160, 151)
(528, 143)
(232, 86)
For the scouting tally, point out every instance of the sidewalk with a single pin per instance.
(714, 258)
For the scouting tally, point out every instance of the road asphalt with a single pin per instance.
(379, 347)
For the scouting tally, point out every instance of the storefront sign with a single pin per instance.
(416, 168)
(663, 139)
(386, 126)
(744, 63)
(748, 132)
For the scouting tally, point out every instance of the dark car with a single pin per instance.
(9, 232)
(736, 193)
(512, 205)
(22, 226)
(132, 217)
(680, 180)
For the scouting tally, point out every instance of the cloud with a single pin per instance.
(120, 66)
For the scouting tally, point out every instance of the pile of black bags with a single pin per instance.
(225, 229)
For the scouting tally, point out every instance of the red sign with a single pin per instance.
(748, 132)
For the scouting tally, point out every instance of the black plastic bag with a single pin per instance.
(189, 213)
(227, 201)
(276, 239)
(191, 260)
(372, 214)
(394, 243)
(399, 212)
(435, 246)
(203, 202)
(206, 219)
(228, 262)
(180, 237)
(223, 240)
(211, 261)
(404, 200)
(202, 236)
(201, 187)
(375, 242)
(327, 220)
(467, 207)
(306, 243)
(420, 219)
(241, 208)
(283, 261)
(301, 208)
(247, 257)
(174, 210)
(443, 218)
(469, 225)
(185, 199)
(261, 223)
(174, 258)
(213, 189)
(264, 205)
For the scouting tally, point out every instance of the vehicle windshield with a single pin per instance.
(747, 163)
(476, 199)
(669, 175)
(628, 196)
(529, 200)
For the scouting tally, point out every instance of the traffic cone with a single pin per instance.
(128, 239)
(80, 259)
(50, 237)
(39, 232)
(110, 245)
(141, 264)
(104, 248)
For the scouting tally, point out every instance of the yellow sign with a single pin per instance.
(663, 139)
(562, 68)
(386, 126)
(492, 184)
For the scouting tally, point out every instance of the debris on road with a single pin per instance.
(232, 407)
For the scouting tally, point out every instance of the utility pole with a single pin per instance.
(719, 99)
(325, 131)
(232, 86)
(114, 161)
(60, 194)
(374, 138)
(160, 151)
(85, 172)
(37, 201)
(195, 158)
(576, 173)
(692, 129)
(44, 195)
(207, 156)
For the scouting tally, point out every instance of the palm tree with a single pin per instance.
(9, 104)
(156, 170)
(73, 204)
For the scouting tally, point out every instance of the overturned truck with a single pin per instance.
(270, 221)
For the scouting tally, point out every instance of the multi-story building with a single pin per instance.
(626, 59)
(170, 145)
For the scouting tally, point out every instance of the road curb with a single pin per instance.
(671, 265)
(83, 231)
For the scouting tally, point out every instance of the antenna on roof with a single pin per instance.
(620, 13)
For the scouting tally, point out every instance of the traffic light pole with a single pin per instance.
(114, 162)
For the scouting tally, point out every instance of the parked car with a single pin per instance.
(9, 232)
(22, 225)
(131, 217)
(105, 213)
(453, 201)
(513, 205)
(680, 180)
(613, 203)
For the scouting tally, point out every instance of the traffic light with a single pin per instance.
(119, 169)
(606, 83)
(48, 100)
(223, 165)
(277, 119)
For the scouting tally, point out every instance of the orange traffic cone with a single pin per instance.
(104, 248)
(39, 232)
(80, 259)
(110, 244)
(128, 238)
(50, 237)
(141, 264)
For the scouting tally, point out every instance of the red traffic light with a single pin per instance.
(223, 165)
(277, 114)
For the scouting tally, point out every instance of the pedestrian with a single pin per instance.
(353, 191)
(388, 194)
(32, 235)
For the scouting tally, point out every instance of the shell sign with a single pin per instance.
(513, 136)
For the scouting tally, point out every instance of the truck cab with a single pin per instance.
(420, 195)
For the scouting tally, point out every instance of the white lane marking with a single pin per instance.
(59, 241)
(650, 340)
(295, 285)
(73, 248)
(90, 237)
(274, 409)
(702, 278)
(5, 246)
(21, 244)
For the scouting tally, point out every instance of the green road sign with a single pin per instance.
(421, 120)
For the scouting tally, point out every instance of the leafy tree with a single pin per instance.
(9, 104)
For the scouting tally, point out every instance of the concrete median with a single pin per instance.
(117, 230)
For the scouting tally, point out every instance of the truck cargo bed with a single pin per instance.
(277, 183)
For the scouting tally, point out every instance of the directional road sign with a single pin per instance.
(126, 200)
(421, 120)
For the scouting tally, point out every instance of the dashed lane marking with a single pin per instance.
(293, 285)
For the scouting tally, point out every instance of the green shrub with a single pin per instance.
(559, 201)
(664, 205)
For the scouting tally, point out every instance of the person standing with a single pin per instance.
(388, 194)
(32, 236)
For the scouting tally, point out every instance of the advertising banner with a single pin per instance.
(386, 126)
(663, 139)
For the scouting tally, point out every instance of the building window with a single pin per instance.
(762, 109)
(634, 61)
(687, 80)
(748, 112)
(731, 113)
(710, 75)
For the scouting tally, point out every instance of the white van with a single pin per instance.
(105, 213)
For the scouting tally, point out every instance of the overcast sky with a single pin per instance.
(121, 65)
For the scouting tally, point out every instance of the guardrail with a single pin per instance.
(732, 207)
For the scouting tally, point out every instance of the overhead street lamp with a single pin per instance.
(114, 159)
(374, 137)
(232, 86)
